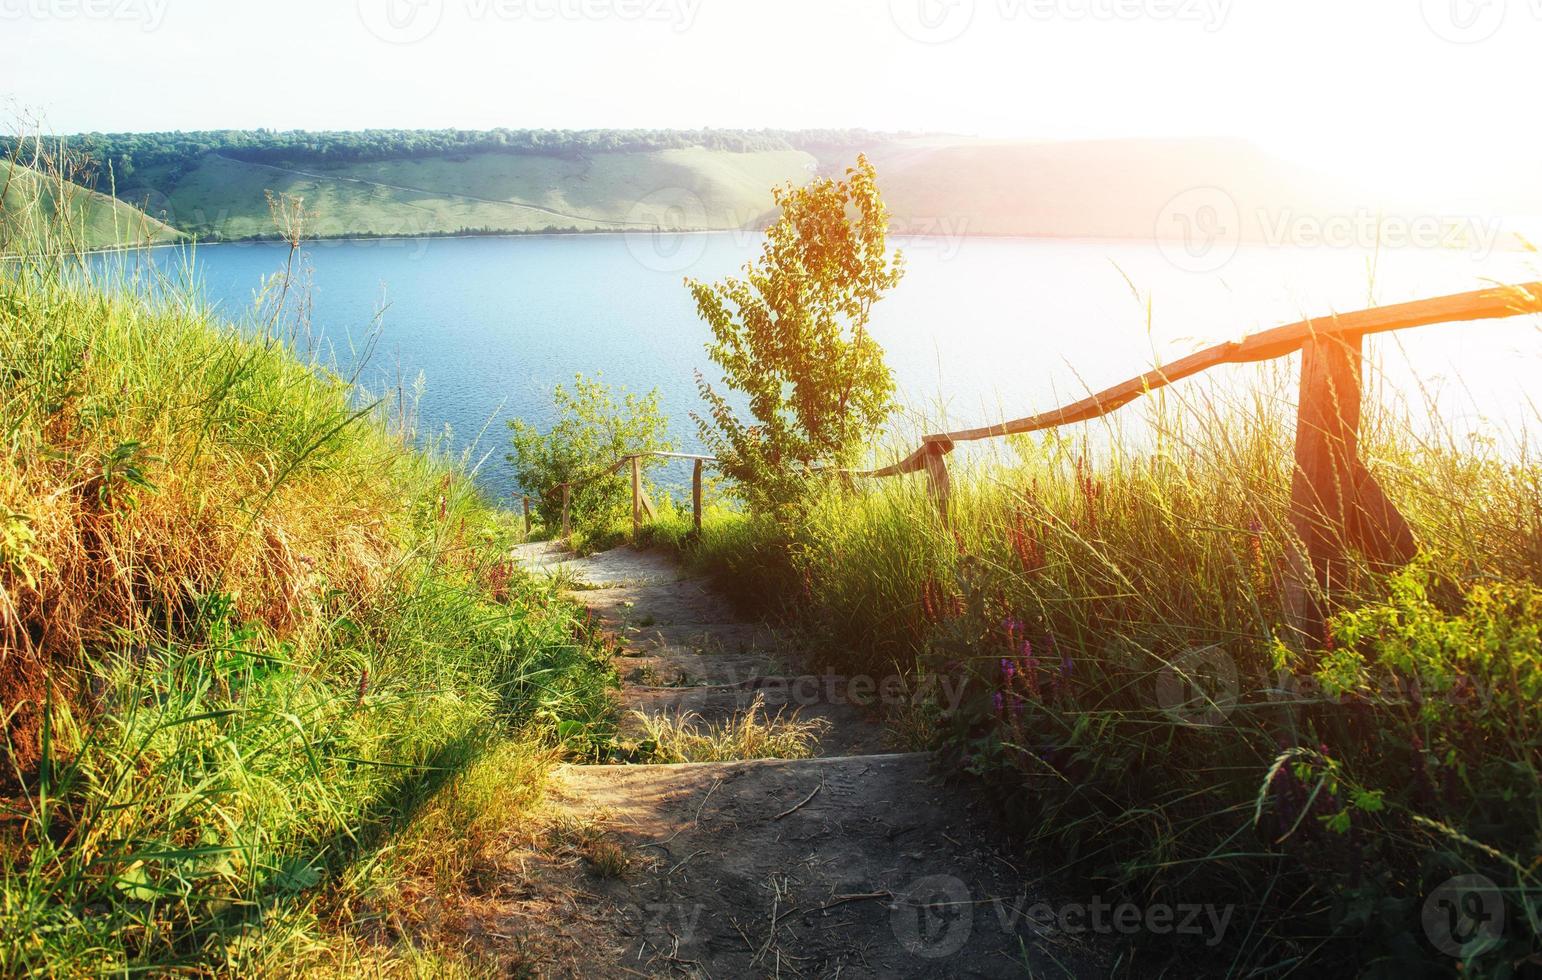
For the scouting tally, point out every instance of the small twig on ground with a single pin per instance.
(682, 863)
(704, 799)
(843, 899)
(801, 805)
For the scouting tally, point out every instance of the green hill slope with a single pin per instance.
(217, 184)
(693, 188)
(29, 201)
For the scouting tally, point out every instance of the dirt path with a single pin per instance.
(855, 863)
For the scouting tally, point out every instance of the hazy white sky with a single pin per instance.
(1437, 85)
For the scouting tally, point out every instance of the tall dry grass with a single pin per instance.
(1113, 601)
(252, 634)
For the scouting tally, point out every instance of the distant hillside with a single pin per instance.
(29, 201)
(698, 188)
(216, 185)
(1110, 189)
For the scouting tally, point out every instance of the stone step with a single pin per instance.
(861, 866)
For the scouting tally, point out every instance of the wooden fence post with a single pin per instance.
(1335, 502)
(696, 496)
(637, 505)
(937, 475)
(567, 499)
(526, 501)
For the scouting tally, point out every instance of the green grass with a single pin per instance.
(262, 657)
(1314, 794)
(484, 192)
(34, 207)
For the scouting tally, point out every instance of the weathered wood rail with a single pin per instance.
(641, 504)
(1336, 504)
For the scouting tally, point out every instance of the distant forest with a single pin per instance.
(172, 155)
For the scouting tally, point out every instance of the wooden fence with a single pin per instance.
(1336, 504)
(641, 505)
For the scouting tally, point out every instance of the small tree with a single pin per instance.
(792, 337)
(595, 426)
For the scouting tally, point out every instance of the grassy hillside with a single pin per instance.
(32, 205)
(264, 666)
(686, 188)
(217, 185)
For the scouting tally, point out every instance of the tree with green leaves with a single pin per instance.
(595, 425)
(792, 338)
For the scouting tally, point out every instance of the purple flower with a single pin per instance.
(996, 699)
(1065, 666)
(1008, 669)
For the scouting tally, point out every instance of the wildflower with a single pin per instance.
(1031, 668)
(1008, 670)
(997, 701)
(1026, 546)
(1014, 628)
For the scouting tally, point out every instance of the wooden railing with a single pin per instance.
(1336, 503)
(641, 504)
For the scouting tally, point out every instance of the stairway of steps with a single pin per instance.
(857, 862)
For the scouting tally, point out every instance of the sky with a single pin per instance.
(1403, 92)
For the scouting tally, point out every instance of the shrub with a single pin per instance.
(595, 426)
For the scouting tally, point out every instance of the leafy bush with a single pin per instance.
(596, 425)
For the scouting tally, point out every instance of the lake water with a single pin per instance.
(984, 329)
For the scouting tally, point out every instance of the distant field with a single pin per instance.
(487, 192)
(216, 185)
(95, 220)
